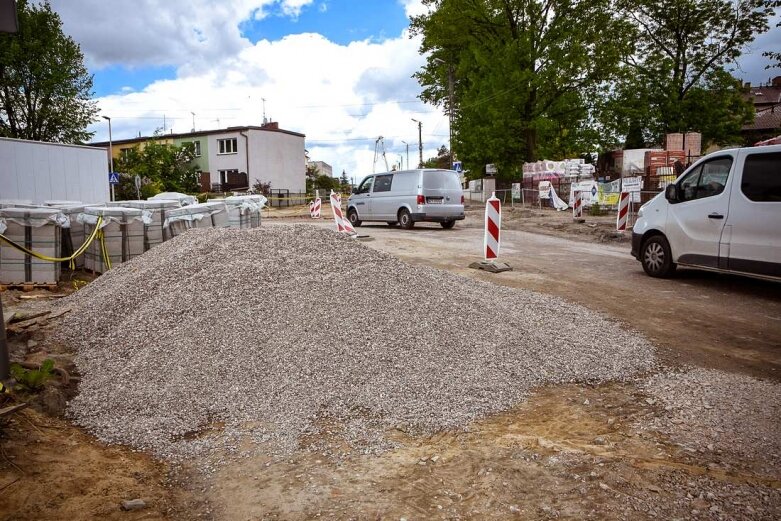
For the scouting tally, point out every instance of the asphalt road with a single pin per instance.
(697, 318)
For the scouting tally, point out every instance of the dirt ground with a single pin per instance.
(569, 452)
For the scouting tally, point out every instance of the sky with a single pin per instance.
(339, 71)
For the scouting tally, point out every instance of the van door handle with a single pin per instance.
(715, 216)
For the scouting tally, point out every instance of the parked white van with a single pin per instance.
(722, 214)
(407, 197)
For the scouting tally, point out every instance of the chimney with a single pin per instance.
(776, 82)
(270, 125)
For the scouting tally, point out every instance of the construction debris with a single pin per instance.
(221, 338)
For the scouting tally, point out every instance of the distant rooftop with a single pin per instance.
(267, 127)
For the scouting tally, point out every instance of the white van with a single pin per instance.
(722, 214)
(408, 197)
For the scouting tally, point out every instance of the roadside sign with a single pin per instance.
(458, 166)
(113, 178)
(633, 185)
(490, 169)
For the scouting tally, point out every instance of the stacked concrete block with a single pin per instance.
(244, 210)
(213, 214)
(37, 229)
(125, 235)
(72, 231)
(156, 233)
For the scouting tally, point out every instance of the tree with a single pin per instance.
(675, 81)
(524, 73)
(317, 181)
(161, 167)
(344, 181)
(45, 89)
(441, 161)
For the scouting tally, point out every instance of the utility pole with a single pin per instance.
(450, 112)
(420, 141)
(407, 145)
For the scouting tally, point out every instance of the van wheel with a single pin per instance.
(352, 215)
(447, 224)
(656, 257)
(392, 223)
(405, 219)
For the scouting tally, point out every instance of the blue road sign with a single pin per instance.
(457, 166)
(113, 178)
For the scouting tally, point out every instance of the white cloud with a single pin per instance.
(341, 96)
(414, 7)
(159, 32)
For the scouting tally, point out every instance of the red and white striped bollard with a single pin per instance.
(623, 211)
(493, 225)
(577, 205)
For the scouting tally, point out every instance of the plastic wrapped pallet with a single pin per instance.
(244, 210)
(124, 232)
(72, 236)
(37, 229)
(213, 214)
(156, 232)
(15, 203)
(184, 199)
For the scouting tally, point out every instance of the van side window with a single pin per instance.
(762, 177)
(383, 183)
(366, 186)
(707, 180)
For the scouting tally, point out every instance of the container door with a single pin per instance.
(754, 224)
(696, 222)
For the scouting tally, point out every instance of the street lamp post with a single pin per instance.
(110, 153)
(420, 141)
(407, 145)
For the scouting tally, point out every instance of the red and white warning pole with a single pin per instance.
(314, 208)
(577, 205)
(342, 224)
(623, 211)
(493, 224)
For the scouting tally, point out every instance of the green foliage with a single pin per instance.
(33, 380)
(596, 210)
(675, 81)
(45, 90)
(441, 161)
(526, 74)
(259, 187)
(162, 167)
(317, 181)
(344, 182)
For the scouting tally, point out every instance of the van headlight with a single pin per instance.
(640, 212)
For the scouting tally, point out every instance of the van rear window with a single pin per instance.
(441, 180)
(762, 177)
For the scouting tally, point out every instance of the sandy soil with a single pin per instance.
(571, 452)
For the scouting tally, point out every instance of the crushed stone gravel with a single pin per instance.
(733, 417)
(219, 337)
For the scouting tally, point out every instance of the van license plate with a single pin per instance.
(432, 200)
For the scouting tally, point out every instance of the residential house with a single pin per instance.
(235, 158)
(767, 105)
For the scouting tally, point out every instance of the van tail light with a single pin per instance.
(421, 199)
(462, 199)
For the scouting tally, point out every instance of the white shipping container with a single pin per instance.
(46, 171)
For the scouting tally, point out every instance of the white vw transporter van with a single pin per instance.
(407, 197)
(722, 214)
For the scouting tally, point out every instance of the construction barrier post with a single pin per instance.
(493, 224)
(623, 211)
(577, 205)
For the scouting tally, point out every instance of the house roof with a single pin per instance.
(185, 135)
(766, 119)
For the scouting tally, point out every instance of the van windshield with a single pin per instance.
(441, 180)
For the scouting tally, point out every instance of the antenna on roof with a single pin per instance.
(264, 110)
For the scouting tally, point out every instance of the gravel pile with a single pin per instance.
(269, 334)
(731, 416)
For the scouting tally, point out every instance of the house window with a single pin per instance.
(226, 175)
(123, 152)
(227, 146)
(197, 148)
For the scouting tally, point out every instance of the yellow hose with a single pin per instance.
(97, 232)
